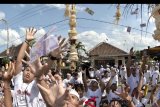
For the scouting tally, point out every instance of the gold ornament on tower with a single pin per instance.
(67, 11)
(73, 56)
(118, 14)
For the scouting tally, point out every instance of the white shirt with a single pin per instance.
(111, 95)
(105, 80)
(132, 82)
(97, 94)
(102, 70)
(80, 76)
(66, 81)
(98, 73)
(155, 75)
(76, 81)
(92, 74)
(115, 79)
(137, 102)
(24, 95)
(147, 75)
(123, 74)
(39, 102)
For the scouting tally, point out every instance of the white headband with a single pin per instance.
(74, 92)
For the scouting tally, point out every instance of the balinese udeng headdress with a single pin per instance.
(93, 80)
(74, 92)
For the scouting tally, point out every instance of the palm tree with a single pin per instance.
(81, 47)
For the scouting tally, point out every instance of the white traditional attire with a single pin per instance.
(25, 95)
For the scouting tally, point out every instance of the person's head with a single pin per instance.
(156, 68)
(68, 75)
(115, 103)
(28, 75)
(123, 68)
(90, 102)
(91, 68)
(75, 75)
(114, 87)
(146, 67)
(94, 85)
(133, 70)
(80, 89)
(113, 71)
(72, 98)
(106, 74)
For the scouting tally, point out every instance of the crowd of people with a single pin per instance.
(37, 84)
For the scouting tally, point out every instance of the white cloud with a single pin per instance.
(120, 39)
(41, 32)
(13, 37)
(62, 6)
(2, 15)
(91, 38)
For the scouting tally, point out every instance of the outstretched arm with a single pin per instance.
(102, 85)
(144, 60)
(129, 62)
(125, 95)
(7, 76)
(109, 84)
(85, 80)
(29, 36)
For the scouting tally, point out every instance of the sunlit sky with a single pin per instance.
(90, 33)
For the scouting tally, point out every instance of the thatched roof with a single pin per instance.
(105, 49)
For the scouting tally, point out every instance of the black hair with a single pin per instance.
(75, 74)
(78, 87)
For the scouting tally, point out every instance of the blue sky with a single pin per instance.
(90, 33)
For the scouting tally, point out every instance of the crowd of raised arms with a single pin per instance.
(37, 84)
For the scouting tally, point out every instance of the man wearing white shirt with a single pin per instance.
(67, 80)
(132, 79)
(147, 74)
(155, 76)
(105, 78)
(123, 72)
(98, 73)
(25, 87)
(94, 90)
(75, 79)
(102, 69)
(114, 73)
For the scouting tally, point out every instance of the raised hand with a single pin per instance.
(56, 91)
(62, 48)
(36, 67)
(124, 94)
(131, 51)
(8, 74)
(30, 32)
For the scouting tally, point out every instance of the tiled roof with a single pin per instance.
(105, 49)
